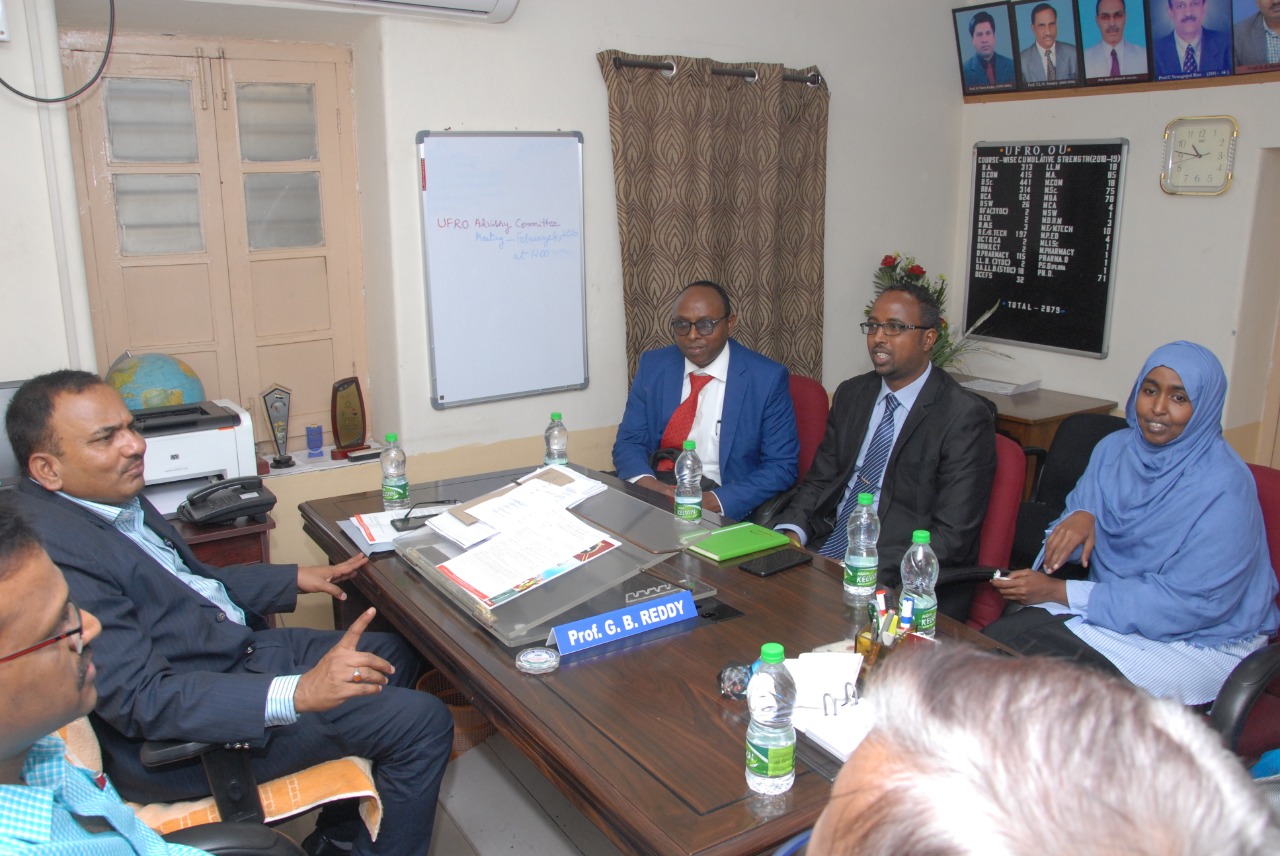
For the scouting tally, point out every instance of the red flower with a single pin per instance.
(915, 270)
(888, 261)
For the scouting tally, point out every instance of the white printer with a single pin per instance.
(190, 445)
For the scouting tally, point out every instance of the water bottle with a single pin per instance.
(771, 739)
(689, 484)
(395, 482)
(557, 437)
(919, 574)
(861, 558)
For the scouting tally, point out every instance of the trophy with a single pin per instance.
(347, 414)
(276, 402)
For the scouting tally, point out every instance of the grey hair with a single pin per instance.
(996, 755)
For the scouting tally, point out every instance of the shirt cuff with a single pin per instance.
(1078, 592)
(280, 709)
(788, 527)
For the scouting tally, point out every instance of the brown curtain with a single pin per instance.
(723, 178)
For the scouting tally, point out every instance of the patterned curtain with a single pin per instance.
(724, 178)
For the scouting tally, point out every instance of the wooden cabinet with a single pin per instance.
(239, 543)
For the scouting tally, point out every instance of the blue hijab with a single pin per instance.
(1181, 551)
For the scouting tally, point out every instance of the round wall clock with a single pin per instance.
(1198, 155)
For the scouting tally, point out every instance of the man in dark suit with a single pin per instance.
(985, 67)
(1191, 50)
(1048, 59)
(1255, 33)
(742, 419)
(178, 659)
(938, 474)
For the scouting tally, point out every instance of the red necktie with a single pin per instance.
(681, 421)
(991, 70)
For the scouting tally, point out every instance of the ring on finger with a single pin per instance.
(356, 677)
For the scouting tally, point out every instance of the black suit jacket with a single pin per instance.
(938, 476)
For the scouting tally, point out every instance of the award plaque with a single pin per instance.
(276, 402)
(347, 412)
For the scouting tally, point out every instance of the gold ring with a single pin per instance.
(355, 677)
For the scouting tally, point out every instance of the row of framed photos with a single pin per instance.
(1047, 44)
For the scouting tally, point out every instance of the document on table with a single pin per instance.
(543, 547)
(373, 533)
(825, 711)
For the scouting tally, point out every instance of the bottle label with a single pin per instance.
(395, 490)
(860, 577)
(689, 510)
(771, 761)
(926, 621)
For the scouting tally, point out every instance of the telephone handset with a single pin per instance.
(224, 501)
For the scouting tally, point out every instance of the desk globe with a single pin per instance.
(154, 380)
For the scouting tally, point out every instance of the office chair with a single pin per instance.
(1057, 472)
(810, 402)
(1247, 710)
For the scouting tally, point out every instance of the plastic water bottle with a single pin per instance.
(861, 558)
(771, 739)
(557, 437)
(689, 484)
(395, 481)
(919, 574)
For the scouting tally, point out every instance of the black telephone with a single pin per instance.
(224, 501)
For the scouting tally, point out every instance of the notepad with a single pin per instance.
(738, 540)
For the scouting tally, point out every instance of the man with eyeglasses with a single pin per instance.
(1191, 49)
(46, 681)
(183, 654)
(734, 403)
(909, 435)
(1114, 55)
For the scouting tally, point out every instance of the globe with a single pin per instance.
(154, 380)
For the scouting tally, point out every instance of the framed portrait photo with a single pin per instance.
(984, 46)
(1113, 38)
(1190, 38)
(1048, 39)
(1255, 32)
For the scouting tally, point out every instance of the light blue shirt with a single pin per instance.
(129, 521)
(38, 818)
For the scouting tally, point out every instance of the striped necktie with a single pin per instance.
(1050, 70)
(867, 480)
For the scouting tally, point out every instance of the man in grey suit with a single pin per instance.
(1258, 36)
(1048, 59)
(1114, 56)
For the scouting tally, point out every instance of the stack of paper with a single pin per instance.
(825, 709)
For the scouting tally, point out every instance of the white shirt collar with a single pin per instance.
(717, 368)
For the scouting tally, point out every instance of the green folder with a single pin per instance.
(738, 540)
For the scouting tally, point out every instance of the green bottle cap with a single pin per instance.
(771, 652)
(555, 417)
(689, 445)
(920, 536)
(865, 499)
(391, 438)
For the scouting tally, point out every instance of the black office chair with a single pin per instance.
(235, 839)
(1057, 472)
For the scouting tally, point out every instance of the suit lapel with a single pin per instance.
(734, 392)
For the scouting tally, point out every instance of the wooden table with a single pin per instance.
(242, 542)
(639, 739)
(1032, 418)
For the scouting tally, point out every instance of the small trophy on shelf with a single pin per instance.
(276, 402)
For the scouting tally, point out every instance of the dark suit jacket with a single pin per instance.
(758, 443)
(1215, 54)
(975, 74)
(170, 664)
(1251, 41)
(938, 476)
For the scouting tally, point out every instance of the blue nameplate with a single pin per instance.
(621, 623)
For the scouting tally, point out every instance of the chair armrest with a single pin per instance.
(235, 839)
(769, 509)
(1040, 455)
(231, 779)
(968, 574)
(1244, 685)
(157, 753)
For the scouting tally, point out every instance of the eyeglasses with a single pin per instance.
(706, 326)
(72, 617)
(890, 328)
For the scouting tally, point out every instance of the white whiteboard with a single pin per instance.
(506, 284)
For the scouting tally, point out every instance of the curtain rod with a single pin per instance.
(813, 79)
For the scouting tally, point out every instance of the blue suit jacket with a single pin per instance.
(975, 74)
(758, 443)
(1215, 54)
(170, 664)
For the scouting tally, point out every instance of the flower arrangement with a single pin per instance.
(947, 351)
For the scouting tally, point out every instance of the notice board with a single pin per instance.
(505, 274)
(1042, 242)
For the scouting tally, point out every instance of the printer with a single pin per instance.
(190, 445)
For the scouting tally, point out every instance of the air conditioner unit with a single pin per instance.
(484, 11)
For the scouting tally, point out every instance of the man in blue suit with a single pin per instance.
(741, 419)
(179, 657)
(1191, 50)
(985, 67)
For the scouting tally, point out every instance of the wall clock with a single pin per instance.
(1198, 155)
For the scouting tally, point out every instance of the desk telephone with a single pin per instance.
(224, 501)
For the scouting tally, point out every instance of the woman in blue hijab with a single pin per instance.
(1166, 519)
